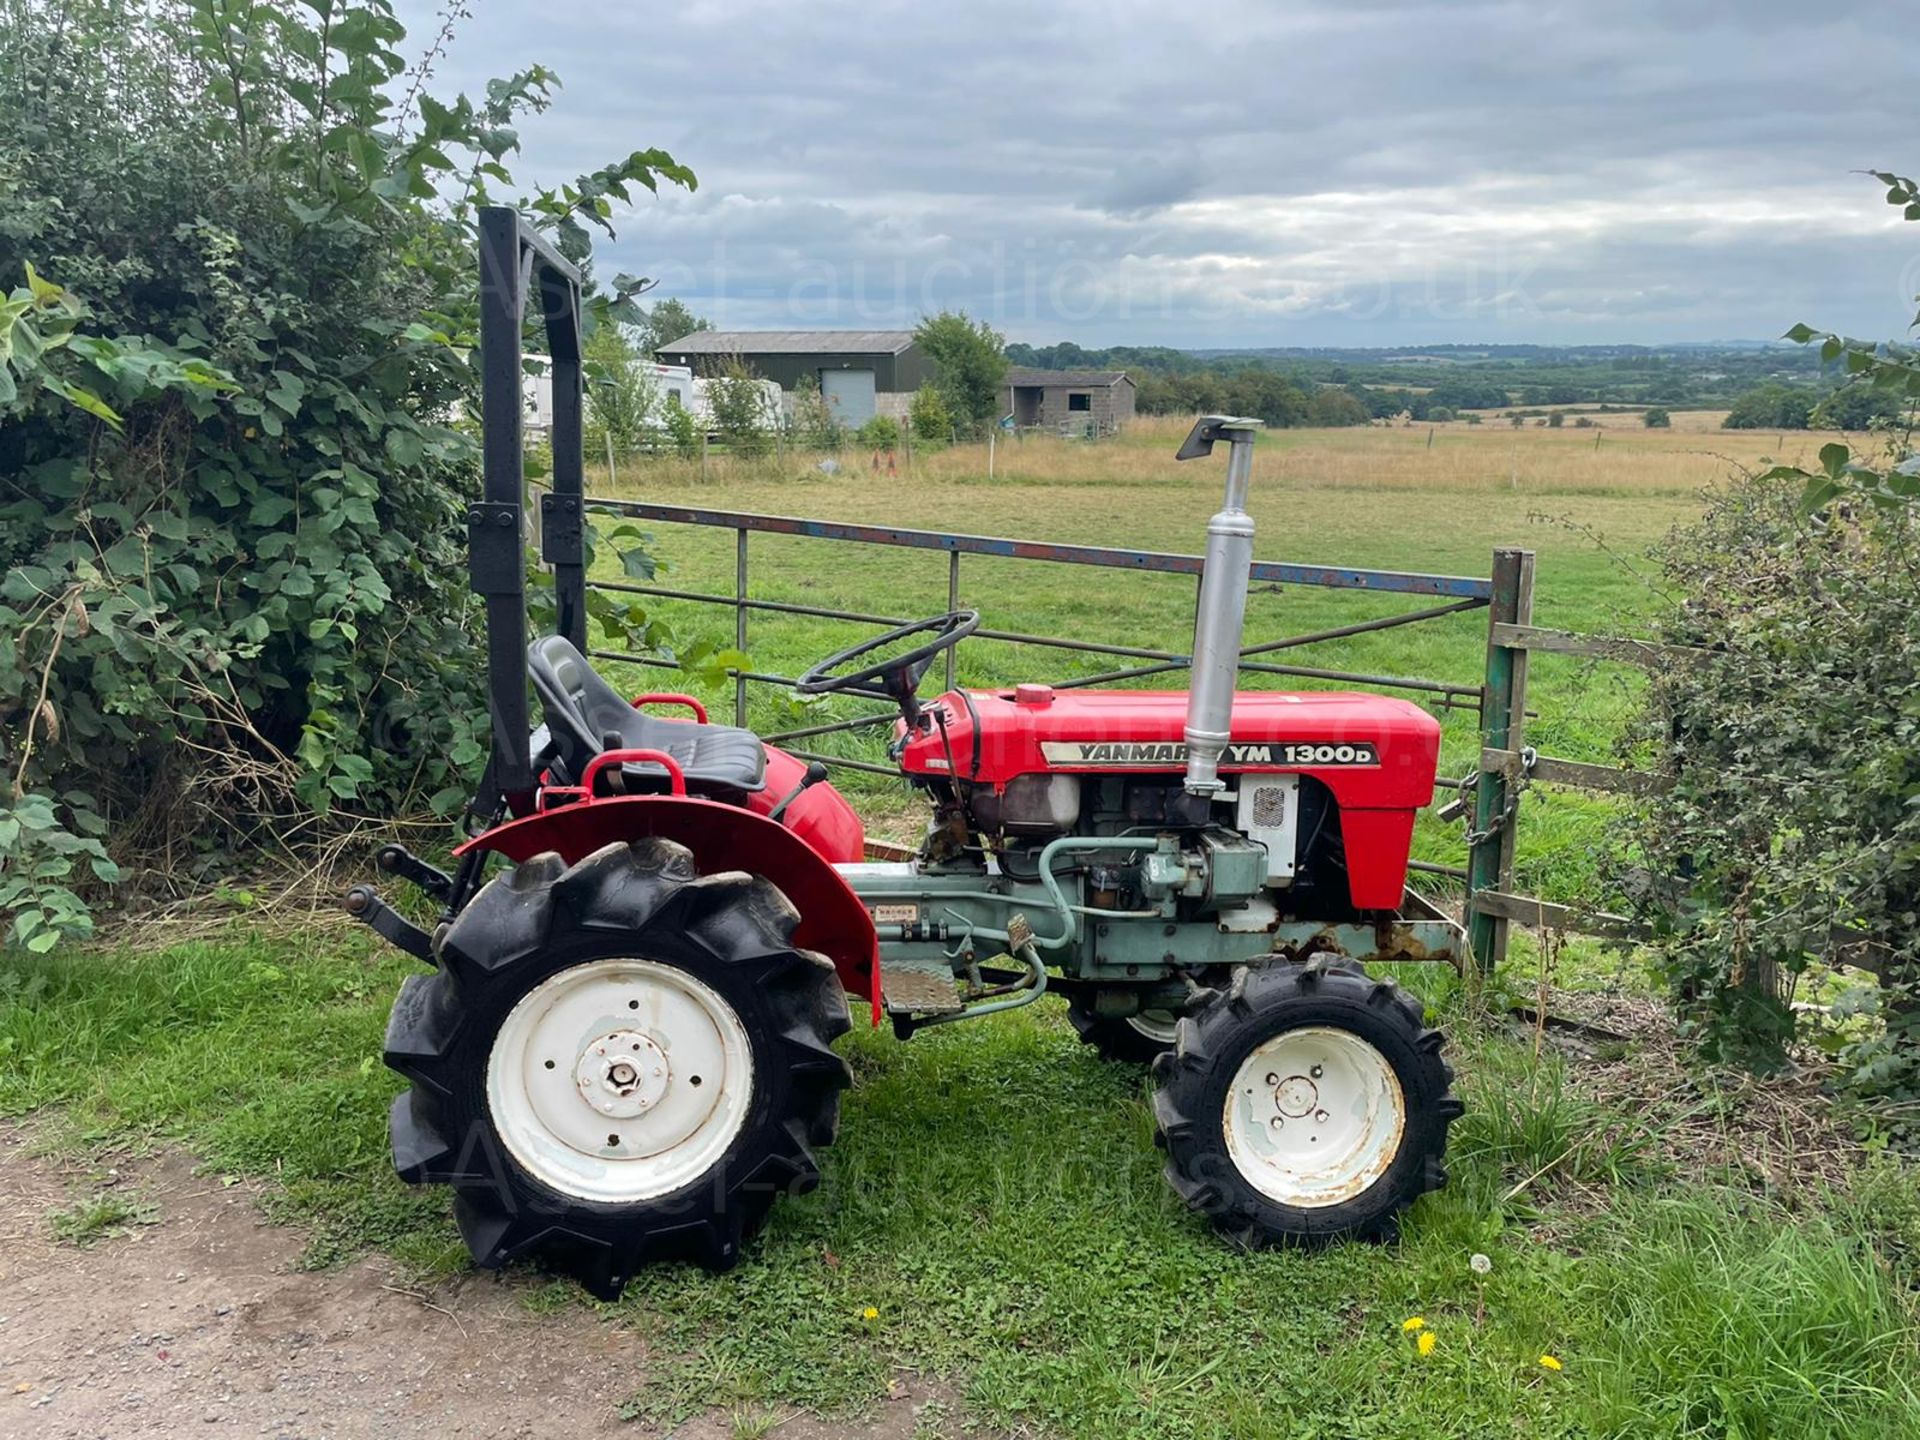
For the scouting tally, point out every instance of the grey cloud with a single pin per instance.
(1223, 173)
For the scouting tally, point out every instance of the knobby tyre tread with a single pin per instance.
(731, 931)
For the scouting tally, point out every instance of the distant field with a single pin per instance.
(1690, 422)
(1589, 502)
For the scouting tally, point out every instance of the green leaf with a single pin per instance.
(287, 391)
(44, 291)
(1820, 489)
(85, 399)
(268, 510)
(406, 447)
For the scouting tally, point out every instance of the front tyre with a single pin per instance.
(620, 1061)
(1303, 1103)
(1137, 1039)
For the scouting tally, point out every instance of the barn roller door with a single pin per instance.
(850, 395)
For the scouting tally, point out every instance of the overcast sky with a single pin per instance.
(1232, 172)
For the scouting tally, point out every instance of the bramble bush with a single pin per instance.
(233, 457)
(816, 425)
(683, 431)
(882, 432)
(928, 417)
(1795, 741)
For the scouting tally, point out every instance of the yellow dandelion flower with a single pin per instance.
(1551, 1362)
(870, 1313)
(1413, 1323)
(1425, 1342)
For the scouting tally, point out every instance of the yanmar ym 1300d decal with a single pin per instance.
(1134, 754)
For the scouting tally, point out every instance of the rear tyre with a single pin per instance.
(620, 1061)
(1303, 1103)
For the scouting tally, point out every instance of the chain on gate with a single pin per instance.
(1468, 787)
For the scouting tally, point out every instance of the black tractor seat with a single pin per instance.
(585, 716)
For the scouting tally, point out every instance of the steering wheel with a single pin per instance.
(897, 677)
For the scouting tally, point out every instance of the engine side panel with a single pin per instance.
(1376, 756)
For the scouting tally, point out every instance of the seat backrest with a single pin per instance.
(580, 707)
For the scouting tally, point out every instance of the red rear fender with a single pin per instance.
(721, 837)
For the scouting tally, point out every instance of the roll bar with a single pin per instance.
(515, 265)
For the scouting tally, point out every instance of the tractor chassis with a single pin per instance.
(941, 927)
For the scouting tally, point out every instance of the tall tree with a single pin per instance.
(621, 393)
(970, 358)
(669, 320)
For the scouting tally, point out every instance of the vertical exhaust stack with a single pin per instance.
(1222, 610)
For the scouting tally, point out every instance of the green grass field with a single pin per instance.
(995, 1198)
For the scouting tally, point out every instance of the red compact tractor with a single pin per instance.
(624, 1050)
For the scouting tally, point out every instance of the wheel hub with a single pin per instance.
(620, 1080)
(1296, 1096)
(623, 1073)
(1314, 1117)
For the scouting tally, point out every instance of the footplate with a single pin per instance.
(919, 987)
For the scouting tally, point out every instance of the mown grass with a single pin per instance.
(996, 1198)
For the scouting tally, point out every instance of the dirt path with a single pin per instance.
(198, 1324)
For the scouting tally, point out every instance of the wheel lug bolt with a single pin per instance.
(1272, 1079)
(1278, 1122)
(1317, 1072)
(1320, 1117)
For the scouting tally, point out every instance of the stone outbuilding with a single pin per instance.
(1069, 402)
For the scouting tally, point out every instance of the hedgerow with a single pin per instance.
(235, 368)
(1794, 739)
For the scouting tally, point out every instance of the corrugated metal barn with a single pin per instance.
(862, 373)
(1073, 402)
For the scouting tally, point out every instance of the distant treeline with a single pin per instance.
(1286, 400)
(1791, 407)
(1442, 378)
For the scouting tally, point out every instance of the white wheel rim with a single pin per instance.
(1156, 1025)
(619, 1080)
(1315, 1117)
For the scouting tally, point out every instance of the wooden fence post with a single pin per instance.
(1503, 708)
